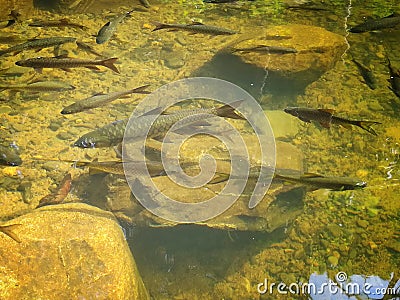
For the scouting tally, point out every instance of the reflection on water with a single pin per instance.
(300, 230)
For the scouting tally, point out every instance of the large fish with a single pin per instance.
(195, 27)
(40, 86)
(367, 74)
(394, 79)
(101, 99)
(316, 181)
(325, 117)
(9, 157)
(38, 44)
(113, 134)
(65, 63)
(57, 23)
(108, 29)
(377, 24)
(267, 49)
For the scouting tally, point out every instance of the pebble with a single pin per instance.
(333, 260)
(362, 223)
(334, 229)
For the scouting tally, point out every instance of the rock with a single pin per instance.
(68, 251)
(317, 51)
(333, 261)
(334, 229)
(174, 60)
(362, 223)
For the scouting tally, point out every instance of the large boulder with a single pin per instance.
(68, 251)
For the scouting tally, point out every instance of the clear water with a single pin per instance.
(355, 233)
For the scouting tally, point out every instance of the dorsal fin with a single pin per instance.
(62, 56)
(196, 23)
(327, 110)
(155, 111)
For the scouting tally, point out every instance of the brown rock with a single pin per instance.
(69, 251)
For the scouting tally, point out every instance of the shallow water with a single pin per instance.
(355, 232)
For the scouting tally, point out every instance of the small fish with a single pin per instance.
(100, 99)
(40, 86)
(108, 29)
(267, 49)
(59, 194)
(38, 44)
(65, 63)
(113, 134)
(394, 79)
(377, 24)
(57, 23)
(8, 230)
(195, 27)
(325, 117)
(307, 7)
(316, 181)
(367, 74)
(9, 157)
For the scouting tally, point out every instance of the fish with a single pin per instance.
(377, 24)
(367, 74)
(267, 49)
(155, 168)
(394, 79)
(307, 7)
(316, 181)
(10, 39)
(8, 230)
(9, 157)
(65, 63)
(59, 195)
(57, 23)
(195, 27)
(38, 44)
(219, 1)
(108, 29)
(100, 99)
(40, 86)
(113, 134)
(325, 117)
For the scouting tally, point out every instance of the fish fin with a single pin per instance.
(190, 128)
(141, 89)
(155, 111)
(8, 230)
(196, 23)
(92, 68)
(366, 125)
(109, 63)
(304, 119)
(311, 175)
(325, 125)
(228, 110)
(94, 171)
(99, 93)
(347, 126)
(218, 178)
(327, 110)
(66, 69)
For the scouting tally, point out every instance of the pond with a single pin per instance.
(293, 112)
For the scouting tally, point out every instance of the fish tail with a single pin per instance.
(109, 63)
(228, 111)
(141, 89)
(7, 229)
(366, 125)
(159, 25)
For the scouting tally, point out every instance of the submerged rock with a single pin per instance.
(69, 251)
(317, 51)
